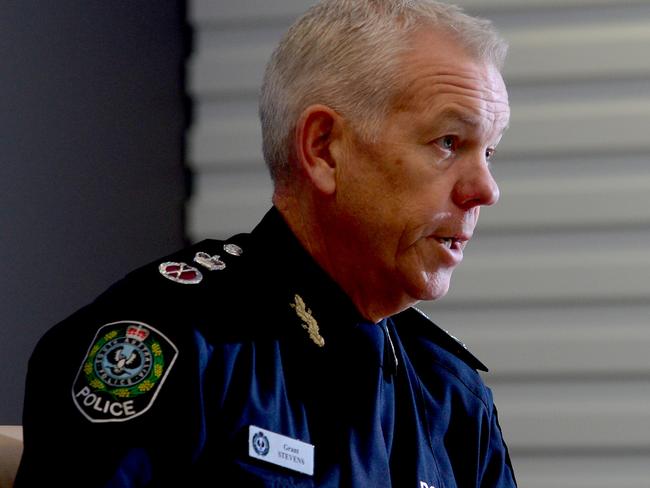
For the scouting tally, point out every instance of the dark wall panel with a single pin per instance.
(92, 117)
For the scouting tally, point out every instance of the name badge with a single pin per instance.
(280, 450)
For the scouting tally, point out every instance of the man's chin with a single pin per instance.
(431, 289)
(434, 295)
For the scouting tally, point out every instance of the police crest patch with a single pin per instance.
(123, 371)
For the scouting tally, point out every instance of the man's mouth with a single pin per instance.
(446, 241)
(452, 243)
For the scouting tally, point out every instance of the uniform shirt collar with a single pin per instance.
(293, 271)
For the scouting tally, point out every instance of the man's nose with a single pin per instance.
(475, 185)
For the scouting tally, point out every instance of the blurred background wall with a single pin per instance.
(555, 292)
(92, 118)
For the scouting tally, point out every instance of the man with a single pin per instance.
(292, 356)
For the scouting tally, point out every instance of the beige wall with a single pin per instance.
(11, 448)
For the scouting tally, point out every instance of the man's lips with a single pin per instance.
(455, 242)
(452, 245)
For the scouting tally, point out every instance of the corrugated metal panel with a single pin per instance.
(555, 292)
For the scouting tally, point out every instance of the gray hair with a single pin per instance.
(345, 54)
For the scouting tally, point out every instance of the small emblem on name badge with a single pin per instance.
(280, 450)
(261, 444)
(180, 273)
(233, 249)
(213, 263)
(123, 371)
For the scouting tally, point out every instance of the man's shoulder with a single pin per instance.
(148, 329)
(171, 294)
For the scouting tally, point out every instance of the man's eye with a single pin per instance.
(448, 143)
(489, 153)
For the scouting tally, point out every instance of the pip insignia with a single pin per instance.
(233, 249)
(213, 263)
(309, 322)
(180, 273)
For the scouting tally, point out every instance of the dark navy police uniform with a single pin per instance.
(241, 363)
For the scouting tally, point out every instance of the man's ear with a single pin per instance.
(318, 128)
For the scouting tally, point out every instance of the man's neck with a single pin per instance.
(317, 233)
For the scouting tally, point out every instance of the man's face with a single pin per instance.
(409, 202)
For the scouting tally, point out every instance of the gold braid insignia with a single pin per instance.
(309, 322)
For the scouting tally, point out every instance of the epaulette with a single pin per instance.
(202, 260)
(198, 264)
(443, 338)
(189, 278)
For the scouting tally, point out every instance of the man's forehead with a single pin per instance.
(424, 84)
(496, 120)
(468, 98)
